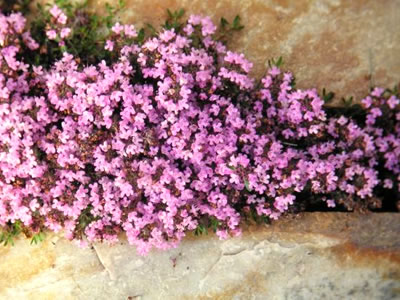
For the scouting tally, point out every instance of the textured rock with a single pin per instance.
(311, 256)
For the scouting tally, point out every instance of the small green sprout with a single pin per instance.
(200, 230)
(327, 96)
(37, 238)
(277, 63)
(247, 185)
(214, 224)
(10, 232)
(347, 102)
(236, 25)
(174, 20)
(226, 30)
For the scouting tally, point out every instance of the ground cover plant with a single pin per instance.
(106, 129)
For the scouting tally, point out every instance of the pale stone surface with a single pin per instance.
(311, 256)
(344, 46)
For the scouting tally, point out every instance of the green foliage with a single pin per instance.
(277, 63)
(224, 23)
(347, 102)
(141, 36)
(327, 96)
(250, 216)
(8, 6)
(174, 20)
(37, 238)
(246, 184)
(394, 91)
(236, 25)
(259, 219)
(293, 83)
(226, 30)
(214, 224)
(88, 33)
(10, 232)
(348, 109)
(205, 225)
(200, 230)
(85, 218)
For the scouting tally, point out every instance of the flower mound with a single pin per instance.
(173, 131)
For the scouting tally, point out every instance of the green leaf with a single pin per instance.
(151, 28)
(236, 22)
(2, 237)
(170, 14)
(246, 184)
(200, 230)
(279, 62)
(121, 4)
(327, 97)
(214, 224)
(10, 240)
(347, 102)
(180, 13)
(109, 8)
(17, 227)
(293, 83)
(140, 37)
(224, 23)
(37, 238)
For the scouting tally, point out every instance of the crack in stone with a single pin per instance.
(110, 275)
(51, 283)
(256, 244)
(77, 284)
(201, 283)
(234, 253)
(42, 286)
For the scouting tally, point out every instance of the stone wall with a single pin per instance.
(309, 256)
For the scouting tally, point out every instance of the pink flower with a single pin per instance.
(388, 184)
(330, 203)
(51, 34)
(55, 11)
(130, 31)
(62, 19)
(65, 32)
(109, 45)
(117, 28)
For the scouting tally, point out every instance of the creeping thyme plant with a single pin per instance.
(106, 129)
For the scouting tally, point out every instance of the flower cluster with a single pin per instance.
(171, 132)
(57, 29)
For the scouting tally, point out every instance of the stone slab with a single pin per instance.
(308, 256)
